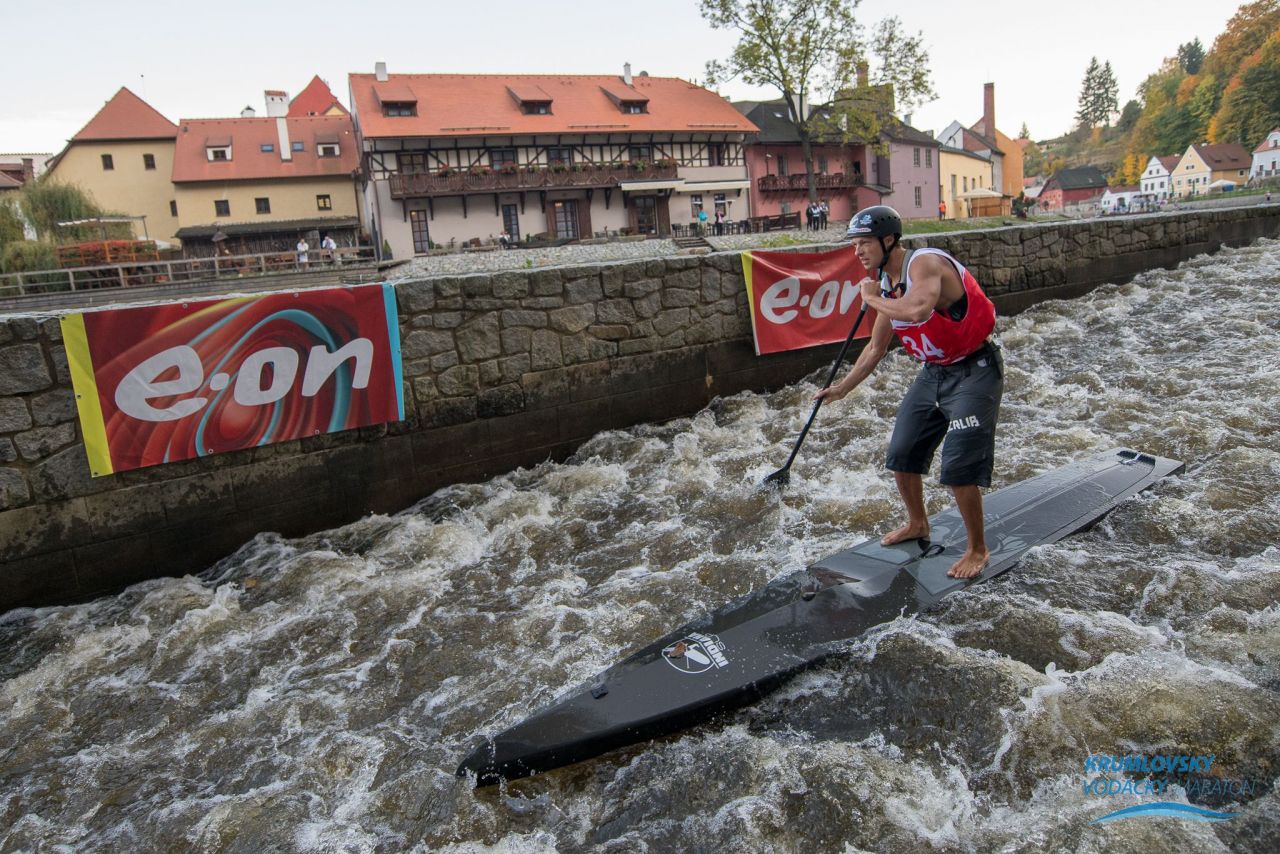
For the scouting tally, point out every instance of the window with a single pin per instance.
(107, 163)
(721, 205)
(419, 229)
(822, 165)
(782, 165)
(966, 183)
(400, 109)
(412, 164)
(715, 154)
(786, 207)
(327, 150)
(267, 147)
(915, 156)
(928, 157)
(219, 153)
(918, 196)
(263, 205)
(537, 108)
(173, 208)
(324, 203)
(633, 108)
(559, 156)
(499, 157)
(298, 145)
(148, 161)
(695, 204)
(222, 207)
(641, 152)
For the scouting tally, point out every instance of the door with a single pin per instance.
(421, 235)
(511, 222)
(564, 219)
(646, 214)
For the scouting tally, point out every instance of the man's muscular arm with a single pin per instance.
(919, 302)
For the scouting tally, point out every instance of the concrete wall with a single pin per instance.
(501, 370)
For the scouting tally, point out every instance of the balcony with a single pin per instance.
(798, 184)
(456, 183)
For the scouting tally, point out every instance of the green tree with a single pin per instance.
(1191, 56)
(1024, 133)
(1108, 95)
(1033, 162)
(45, 203)
(10, 223)
(1087, 106)
(810, 51)
(1129, 116)
(1245, 33)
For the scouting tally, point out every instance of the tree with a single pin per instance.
(1033, 162)
(46, 202)
(1129, 116)
(1107, 104)
(10, 223)
(1088, 103)
(1024, 133)
(1191, 56)
(810, 51)
(1251, 100)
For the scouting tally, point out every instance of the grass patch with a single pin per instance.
(935, 226)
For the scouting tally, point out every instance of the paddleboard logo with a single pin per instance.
(696, 653)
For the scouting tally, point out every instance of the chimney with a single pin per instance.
(277, 103)
(380, 71)
(862, 73)
(989, 109)
(626, 73)
(282, 132)
(248, 113)
(28, 170)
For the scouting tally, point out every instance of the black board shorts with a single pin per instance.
(956, 406)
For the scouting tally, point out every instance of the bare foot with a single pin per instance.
(970, 564)
(908, 531)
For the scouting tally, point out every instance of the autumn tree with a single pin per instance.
(809, 51)
(1250, 106)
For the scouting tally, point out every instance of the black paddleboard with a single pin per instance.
(735, 655)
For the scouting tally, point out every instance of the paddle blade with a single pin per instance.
(778, 479)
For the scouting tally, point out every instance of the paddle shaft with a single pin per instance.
(835, 367)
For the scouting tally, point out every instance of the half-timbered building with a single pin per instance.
(450, 159)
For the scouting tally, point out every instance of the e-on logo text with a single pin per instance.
(696, 653)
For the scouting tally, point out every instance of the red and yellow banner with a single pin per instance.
(803, 299)
(161, 383)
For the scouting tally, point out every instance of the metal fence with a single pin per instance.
(183, 270)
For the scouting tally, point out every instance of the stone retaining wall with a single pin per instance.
(501, 370)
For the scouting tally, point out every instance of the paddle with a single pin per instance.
(782, 476)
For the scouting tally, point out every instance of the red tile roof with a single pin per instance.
(480, 104)
(126, 116)
(315, 100)
(248, 160)
(1266, 145)
(1170, 163)
(1224, 155)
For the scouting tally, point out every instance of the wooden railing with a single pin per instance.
(419, 184)
(798, 183)
(180, 270)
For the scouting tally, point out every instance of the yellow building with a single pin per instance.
(123, 159)
(252, 185)
(1202, 165)
(962, 173)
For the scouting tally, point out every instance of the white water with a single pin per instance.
(317, 694)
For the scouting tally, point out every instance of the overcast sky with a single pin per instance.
(62, 60)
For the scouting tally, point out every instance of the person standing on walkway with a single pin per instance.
(302, 249)
(330, 247)
(944, 320)
(942, 210)
(824, 212)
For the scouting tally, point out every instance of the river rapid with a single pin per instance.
(316, 694)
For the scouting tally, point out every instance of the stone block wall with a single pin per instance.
(501, 370)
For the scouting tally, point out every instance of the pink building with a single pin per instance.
(845, 175)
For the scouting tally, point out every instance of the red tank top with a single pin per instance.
(940, 339)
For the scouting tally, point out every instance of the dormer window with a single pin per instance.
(397, 99)
(327, 149)
(532, 99)
(627, 99)
(217, 149)
(399, 109)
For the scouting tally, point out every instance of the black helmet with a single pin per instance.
(875, 221)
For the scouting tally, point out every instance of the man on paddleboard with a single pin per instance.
(944, 320)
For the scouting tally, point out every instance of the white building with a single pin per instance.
(1118, 200)
(1157, 178)
(1266, 157)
